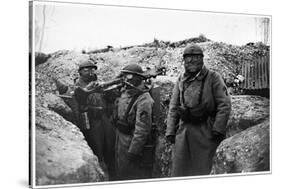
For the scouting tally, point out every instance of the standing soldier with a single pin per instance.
(134, 122)
(198, 114)
(92, 117)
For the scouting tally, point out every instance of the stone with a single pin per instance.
(247, 151)
(58, 105)
(62, 154)
(247, 111)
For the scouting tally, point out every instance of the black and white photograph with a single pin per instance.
(122, 94)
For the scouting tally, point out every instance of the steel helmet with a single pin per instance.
(193, 49)
(133, 69)
(87, 64)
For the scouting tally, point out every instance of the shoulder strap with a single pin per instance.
(201, 89)
(200, 92)
(135, 97)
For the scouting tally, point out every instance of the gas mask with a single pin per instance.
(132, 81)
(193, 63)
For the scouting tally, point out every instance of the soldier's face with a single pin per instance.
(88, 74)
(193, 63)
(132, 79)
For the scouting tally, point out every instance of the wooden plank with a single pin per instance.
(263, 74)
(251, 75)
(246, 75)
(256, 74)
(260, 73)
(259, 60)
(267, 70)
(243, 74)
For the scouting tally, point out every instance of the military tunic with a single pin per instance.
(194, 145)
(140, 116)
(101, 134)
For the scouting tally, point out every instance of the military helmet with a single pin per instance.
(87, 64)
(133, 69)
(193, 49)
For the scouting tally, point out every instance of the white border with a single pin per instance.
(68, 3)
(157, 180)
(75, 4)
(33, 130)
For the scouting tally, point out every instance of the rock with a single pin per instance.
(58, 105)
(62, 154)
(163, 158)
(247, 111)
(247, 151)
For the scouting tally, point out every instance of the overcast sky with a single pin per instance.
(74, 27)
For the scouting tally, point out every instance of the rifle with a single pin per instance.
(118, 83)
(79, 94)
(94, 87)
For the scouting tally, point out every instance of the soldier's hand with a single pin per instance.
(217, 136)
(133, 157)
(171, 139)
(61, 87)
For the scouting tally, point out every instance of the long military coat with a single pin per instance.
(140, 115)
(194, 145)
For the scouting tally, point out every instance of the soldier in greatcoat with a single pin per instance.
(198, 113)
(134, 123)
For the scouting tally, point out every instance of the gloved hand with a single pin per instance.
(133, 157)
(217, 136)
(61, 87)
(184, 113)
(171, 139)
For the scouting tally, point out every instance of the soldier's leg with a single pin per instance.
(181, 163)
(202, 149)
(96, 137)
(122, 161)
(109, 147)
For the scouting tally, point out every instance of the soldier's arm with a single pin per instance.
(173, 117)
(223, 103)
(142, 125)
(61, 87)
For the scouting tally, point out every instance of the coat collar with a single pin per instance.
(80, 82)
(133, 92)
(203, 72)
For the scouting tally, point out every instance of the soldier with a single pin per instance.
(134, 122)
(198, 114)
(93, 118)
